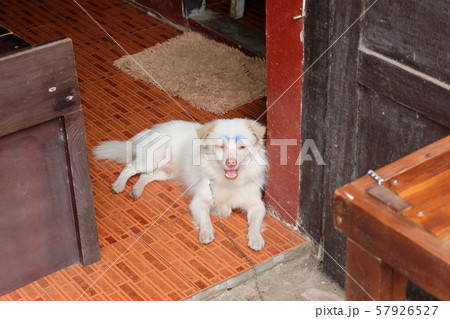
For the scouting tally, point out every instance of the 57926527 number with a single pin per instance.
(406, 310)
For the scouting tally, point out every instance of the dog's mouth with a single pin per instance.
(231, 174)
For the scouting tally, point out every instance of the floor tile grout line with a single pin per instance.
(182, 274)
(129, 55)
(122, 240)
(145, 229)
(84, 46)
(113, 120)
(247, 258)
(87, 83)
(169, 263)
(161, 224)
(62, 19)
(134, 269)
(116, 219)
(172, 266)
(239, 251)
(291, 243)
(42, 289)
(93, 182)
(138, 239)
(281, 234)
(136, 236)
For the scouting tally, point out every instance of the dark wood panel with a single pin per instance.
(45, 87)
(358, 136)
(37, 230)
(314, 106)
(388, 131)
(82, 190)
(404, 85)
(414, 33)
(341, 126)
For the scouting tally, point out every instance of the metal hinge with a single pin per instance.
(386, 195)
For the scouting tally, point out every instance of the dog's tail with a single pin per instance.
(117, 151)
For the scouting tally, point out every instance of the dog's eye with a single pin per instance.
(221, 146)
(242, 147)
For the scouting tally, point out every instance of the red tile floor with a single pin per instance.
(149, 247)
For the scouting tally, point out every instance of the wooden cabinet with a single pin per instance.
(47, 219)
(399, 228)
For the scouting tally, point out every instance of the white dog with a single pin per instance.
(221, 164)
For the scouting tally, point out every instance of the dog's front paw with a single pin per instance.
(206, 236)
(117, 187)
(135, 193)
(255, 241)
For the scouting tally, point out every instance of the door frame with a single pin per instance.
(284, 61)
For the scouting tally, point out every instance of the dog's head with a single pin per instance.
(232, 144)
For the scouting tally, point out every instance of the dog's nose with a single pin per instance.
(231, 162)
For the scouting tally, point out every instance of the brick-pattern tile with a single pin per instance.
(30, 292)
(149, 247)
(160, 202)
(128, 270)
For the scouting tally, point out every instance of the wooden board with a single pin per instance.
(37, 228)
(82, 197)
(46, 87)
(414, 242)
(314, 101)
(411, 88)
(381, 282)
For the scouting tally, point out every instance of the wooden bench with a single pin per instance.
(398, 229)
(47, 219)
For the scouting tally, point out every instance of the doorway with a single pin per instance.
(247, 32)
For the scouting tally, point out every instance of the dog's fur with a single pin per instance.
(221, 164)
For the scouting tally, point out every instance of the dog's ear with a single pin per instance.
(205, 129)
(258, 129)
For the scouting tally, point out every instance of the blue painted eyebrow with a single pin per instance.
(240, 137)
(237, 138)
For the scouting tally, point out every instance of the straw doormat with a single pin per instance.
(209, 75)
